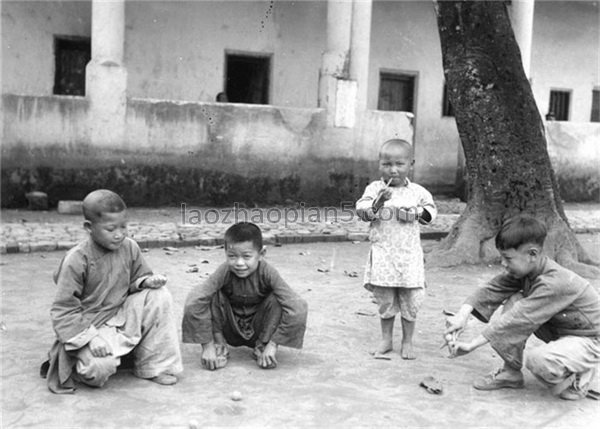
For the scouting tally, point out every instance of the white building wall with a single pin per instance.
(302, 28)
(405, 39)
(566, 54)
(28, 30)
(176, 50)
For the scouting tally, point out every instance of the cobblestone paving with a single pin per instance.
(205, 227)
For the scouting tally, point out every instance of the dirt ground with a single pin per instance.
(331, 382)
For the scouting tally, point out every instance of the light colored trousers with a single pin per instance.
(554, 361)
(144, 324)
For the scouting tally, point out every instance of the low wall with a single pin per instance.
(221, 153)
(574, 150)
(197, 153)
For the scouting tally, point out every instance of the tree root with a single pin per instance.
(469, 242)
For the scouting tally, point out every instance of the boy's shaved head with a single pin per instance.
(244, 231)
(101, 201)
(393, 144)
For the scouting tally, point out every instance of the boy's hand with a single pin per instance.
(155, 281)
(99, 347)
(454, 324)
(267, 359)
(457, 322)
(460, 348)
(382, 196)
(209, 356)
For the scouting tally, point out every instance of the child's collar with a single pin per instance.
(96, 248)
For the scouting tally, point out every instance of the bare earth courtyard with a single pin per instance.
(331, 382)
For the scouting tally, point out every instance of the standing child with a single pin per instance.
(108, 304)
(394, 273)
(245, 302)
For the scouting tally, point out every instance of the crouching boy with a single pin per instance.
(245, 302)
(108, 304)
(539, 297)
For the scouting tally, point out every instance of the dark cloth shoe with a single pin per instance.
(572, 388)
(572, 394)
(498, 380)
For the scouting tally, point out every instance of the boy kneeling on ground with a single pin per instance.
(245, 302)
(542, 298)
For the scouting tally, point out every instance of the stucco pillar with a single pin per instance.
(106, 77)
(522, 23)
(335, 61)
(360, 44)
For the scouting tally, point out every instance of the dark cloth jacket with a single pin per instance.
(245, 295)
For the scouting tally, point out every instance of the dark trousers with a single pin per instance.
(263, 323)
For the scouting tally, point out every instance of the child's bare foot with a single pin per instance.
(406, 349)
(261, 355)
(407, 352)
(222, 355)
(386, 344)
(383, 348)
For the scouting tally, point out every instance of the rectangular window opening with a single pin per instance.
(71, 55)
(559, 105)
(595, 117)
(447, 109)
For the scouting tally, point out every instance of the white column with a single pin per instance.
(360, 44)
(522, 23)
(106, 77)
(335, 61)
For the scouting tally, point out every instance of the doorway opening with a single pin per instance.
(247, 78)
(71, 55)
(396, 92)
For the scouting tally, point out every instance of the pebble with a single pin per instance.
(236, 395)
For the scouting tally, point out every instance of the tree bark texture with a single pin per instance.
(502, 133)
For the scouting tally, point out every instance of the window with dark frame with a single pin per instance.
(559, 105)
(595, 117)
(447, 109)
(71, 55)
(247, 78)
(396, 92)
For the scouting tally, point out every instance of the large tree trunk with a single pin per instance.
(508, 167)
